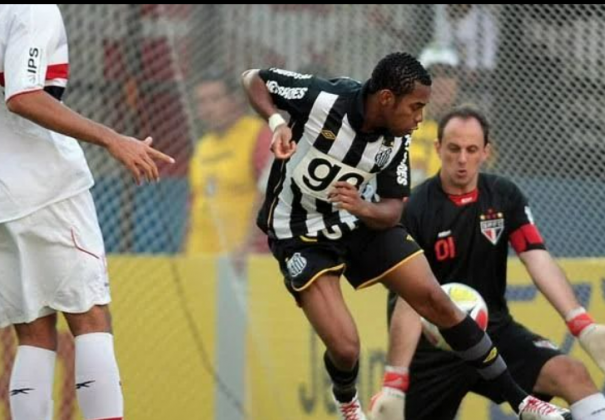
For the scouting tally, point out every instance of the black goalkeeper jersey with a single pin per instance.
(466, 237)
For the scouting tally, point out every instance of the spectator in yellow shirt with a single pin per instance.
(227, 163)
(423, 155)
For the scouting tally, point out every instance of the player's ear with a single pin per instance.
(437, 146)
(487, 151)
(386, 97)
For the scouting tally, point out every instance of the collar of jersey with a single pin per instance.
(458, 199)
(464, 199)
(357, 114)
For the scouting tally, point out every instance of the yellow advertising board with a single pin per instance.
(166, 325)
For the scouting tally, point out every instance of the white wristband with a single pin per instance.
(275, 121)
(401, 370)
(574, 313)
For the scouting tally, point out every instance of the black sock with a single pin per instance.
(343, 381)
(475, 347)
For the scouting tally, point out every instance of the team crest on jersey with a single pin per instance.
(296, 264)
(383, 155)
(492, 225)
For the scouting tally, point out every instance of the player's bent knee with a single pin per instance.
(568, 372)
(40, 333)
(576, 372)
(346, 354)
(96, 319)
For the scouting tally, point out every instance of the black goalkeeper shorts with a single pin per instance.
(439, 380)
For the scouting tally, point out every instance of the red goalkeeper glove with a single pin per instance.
(590, 334)
(389, 403)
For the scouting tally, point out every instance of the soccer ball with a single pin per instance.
(467, 299)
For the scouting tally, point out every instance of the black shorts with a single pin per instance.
(439, 380)
(363, 255)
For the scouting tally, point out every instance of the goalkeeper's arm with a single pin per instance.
(404, 331)
(553, 283)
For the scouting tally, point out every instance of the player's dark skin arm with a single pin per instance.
(260, 99)
(258, 94)
(382, 215)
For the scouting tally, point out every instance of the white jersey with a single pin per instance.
(38, 167)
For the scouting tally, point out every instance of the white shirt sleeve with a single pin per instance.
(36, 37)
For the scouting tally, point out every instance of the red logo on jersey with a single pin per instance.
(492, 225)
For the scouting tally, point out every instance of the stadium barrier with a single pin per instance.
(199, 340)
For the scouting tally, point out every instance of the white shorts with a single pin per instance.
(52, 260)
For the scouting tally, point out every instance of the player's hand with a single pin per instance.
(347, 197)
(388, 404)
(592, 339)
(282, 145)
(138, 157)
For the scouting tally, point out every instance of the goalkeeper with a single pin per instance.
(464, 221)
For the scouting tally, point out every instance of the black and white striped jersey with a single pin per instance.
(326, 120)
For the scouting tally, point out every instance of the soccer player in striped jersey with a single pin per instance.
(333, 204)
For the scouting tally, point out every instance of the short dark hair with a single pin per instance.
(398, 72)
(465, 112)
(215, 75)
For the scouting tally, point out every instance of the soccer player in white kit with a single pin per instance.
(52, 256)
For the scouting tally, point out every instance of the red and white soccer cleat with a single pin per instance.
(350, 410)
(531, 408)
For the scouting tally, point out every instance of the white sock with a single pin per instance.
(589, 408)
(97, 378)
(31, 384)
